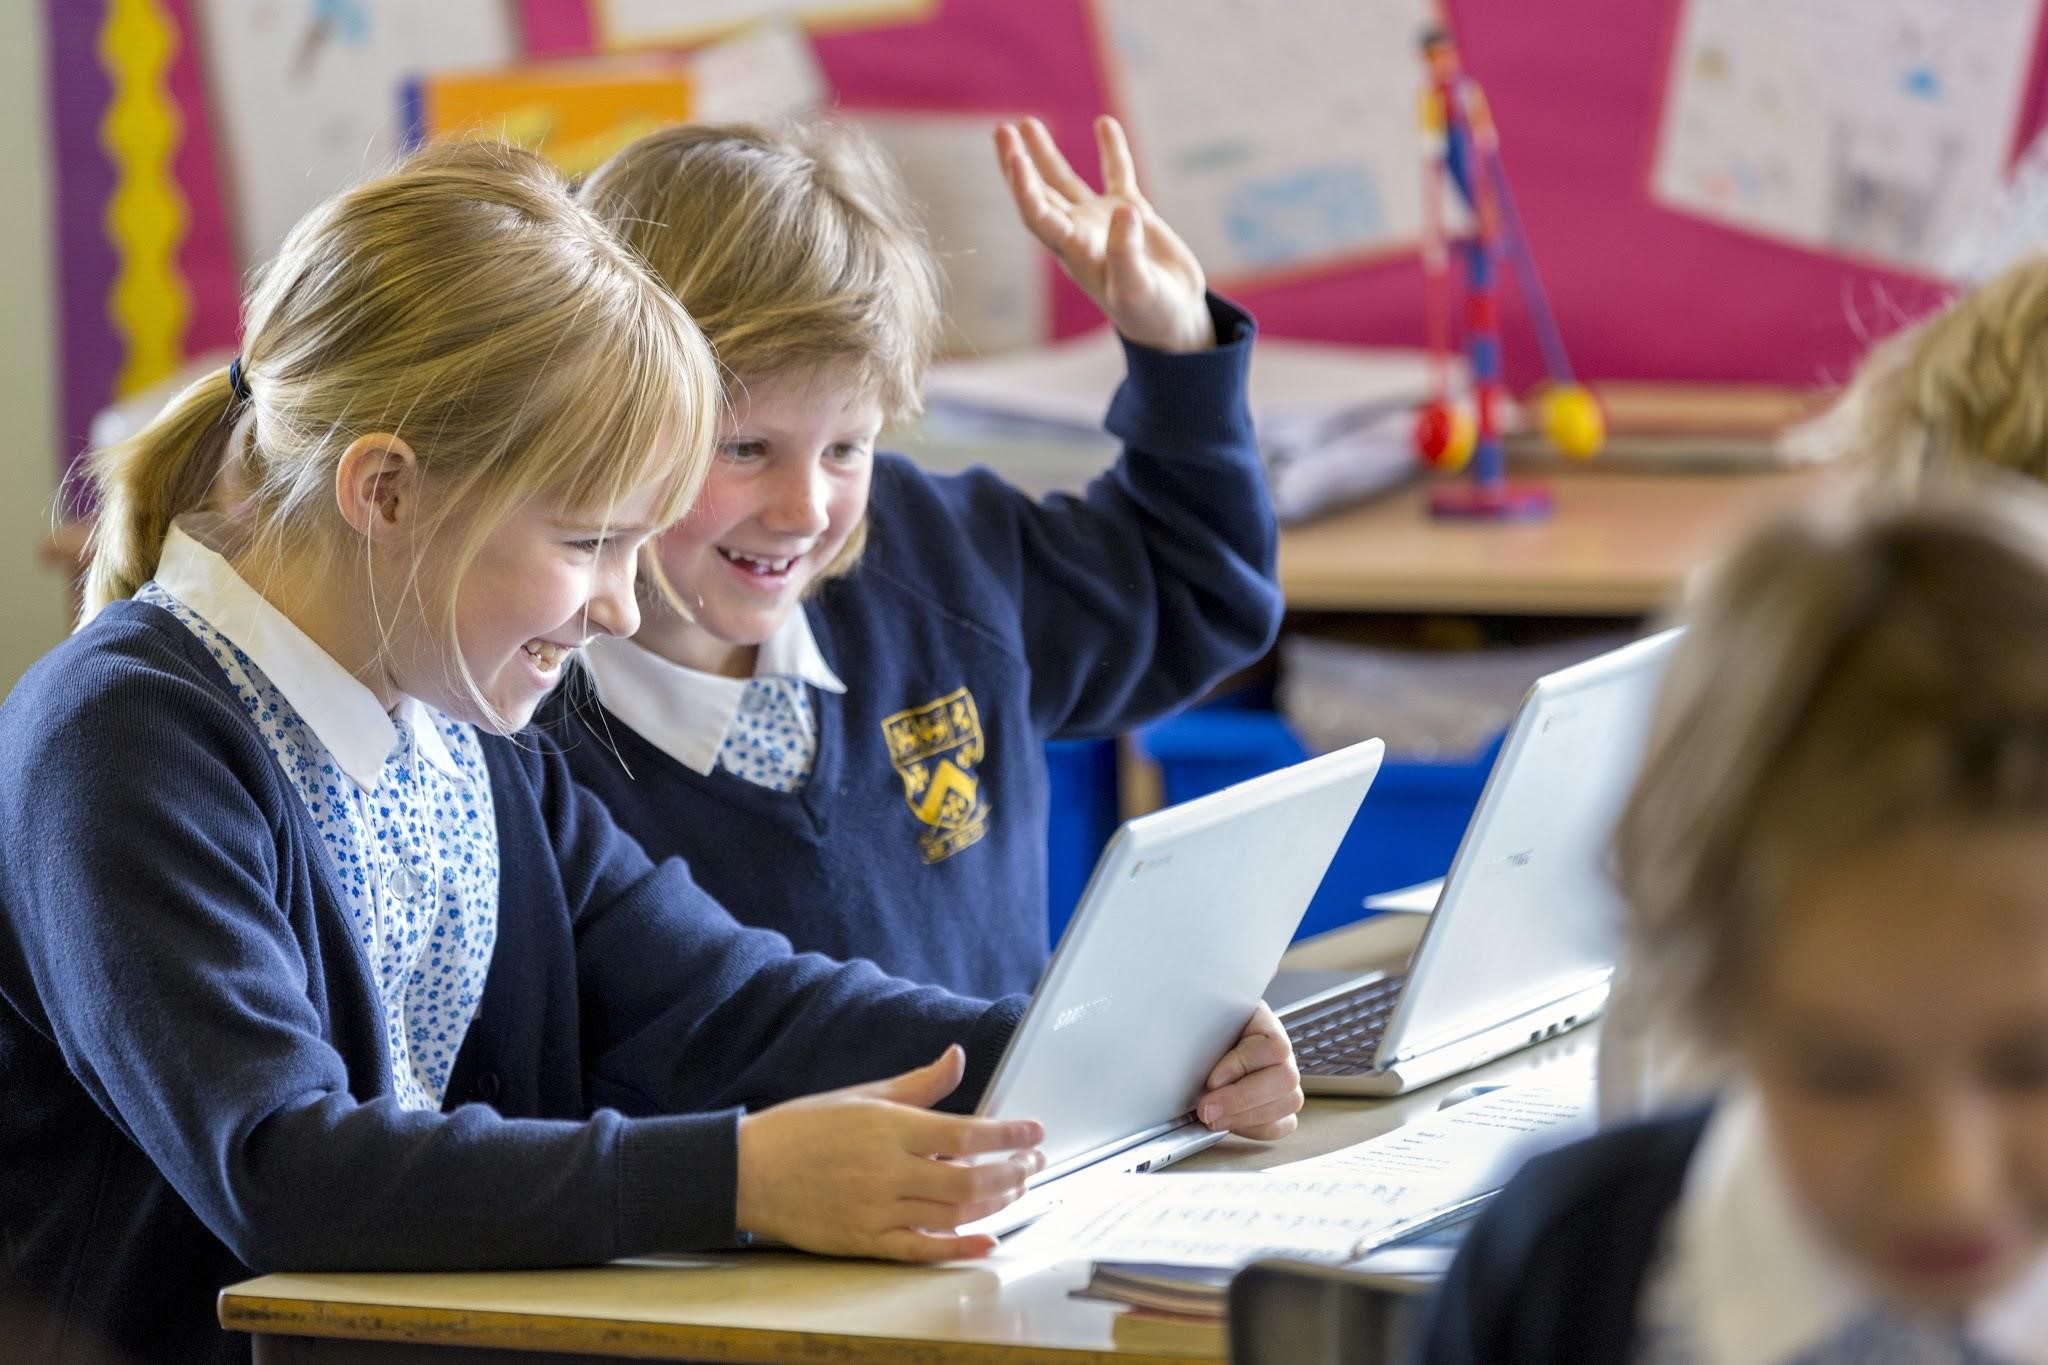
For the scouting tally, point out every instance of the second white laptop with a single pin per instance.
(1522, 941)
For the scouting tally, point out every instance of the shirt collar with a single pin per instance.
(343, 714)
(1777, 1290)
(685, 712)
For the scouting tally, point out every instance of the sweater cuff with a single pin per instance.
(985, 1045)
(678, 1183)
(1184, 401)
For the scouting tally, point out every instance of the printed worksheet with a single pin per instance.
(1332, 1208)
(1274, 137)
(1870, 128)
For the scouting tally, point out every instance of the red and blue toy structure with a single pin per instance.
(1461, 146)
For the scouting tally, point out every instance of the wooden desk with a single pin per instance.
(773, 1307)
(1618, 544)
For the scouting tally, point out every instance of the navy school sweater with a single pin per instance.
(192, 1057)
(979, 624)
(1552, 1273)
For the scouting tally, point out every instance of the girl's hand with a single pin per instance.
(1112, 244)
(866, 1171)
(1255, 1091)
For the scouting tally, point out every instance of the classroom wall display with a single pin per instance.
(144, 272)
(998, 297)
(309, 92)
(622, 25)
(2011, 223)
(1873, 128)
(574, 113)
(1578, 89)
(1275, 138)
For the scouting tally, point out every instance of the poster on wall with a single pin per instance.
(308, 93)
(1276, 138)
(621, 25)
(998, 295)
(1872, 129)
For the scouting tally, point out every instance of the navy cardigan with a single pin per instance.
(192, 1059)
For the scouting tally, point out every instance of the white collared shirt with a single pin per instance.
(686, 713)
(1744, 1280)
(402, 802)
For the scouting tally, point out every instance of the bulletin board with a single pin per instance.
(1641, 288)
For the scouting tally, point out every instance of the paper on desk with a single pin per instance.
(1331, 1208)
(1215, 1220)
(1469, 1148)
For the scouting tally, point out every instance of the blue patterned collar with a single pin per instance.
(687, 713)
(342, 712)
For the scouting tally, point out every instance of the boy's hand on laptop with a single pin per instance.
(869, 1170)
(1140, 274)
(1255, 1091)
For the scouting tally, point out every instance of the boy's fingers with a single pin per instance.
(1045, 155)
(1257, 1111)
(1127, 247)
(1119, 174)
(1252, 1053)
(1270, 1132)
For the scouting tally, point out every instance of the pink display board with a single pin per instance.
(1576, 85)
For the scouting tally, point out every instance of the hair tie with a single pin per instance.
(236, 382)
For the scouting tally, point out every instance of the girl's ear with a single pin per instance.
(377, 485)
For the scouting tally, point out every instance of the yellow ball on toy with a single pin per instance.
(1573, 421)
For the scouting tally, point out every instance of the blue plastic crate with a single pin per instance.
(1406, 832)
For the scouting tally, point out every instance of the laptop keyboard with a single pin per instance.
(1341, 1035)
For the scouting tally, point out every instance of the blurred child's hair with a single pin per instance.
(1847, 673)
(1963, 388)
(465, 303)
(796, 248)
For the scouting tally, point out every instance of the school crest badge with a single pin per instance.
(935, 749)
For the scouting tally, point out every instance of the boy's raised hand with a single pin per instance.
(1255, 1091)
(863, 1171)
(1112, 244)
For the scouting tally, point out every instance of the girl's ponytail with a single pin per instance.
(163, 470)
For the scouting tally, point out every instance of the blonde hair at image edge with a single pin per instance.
(1958, 391)
(796, 248)
(1893, 668)
(465, 303)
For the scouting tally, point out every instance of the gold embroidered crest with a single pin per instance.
(935, 748)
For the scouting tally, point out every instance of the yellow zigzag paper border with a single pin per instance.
(146, 218)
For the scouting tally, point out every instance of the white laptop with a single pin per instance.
(1521, 944)
(1179, 930)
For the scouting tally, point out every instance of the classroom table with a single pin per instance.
(778, 1306)
(1618, 543)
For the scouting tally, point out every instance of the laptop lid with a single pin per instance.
(1528, 913)
(1181, 925)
